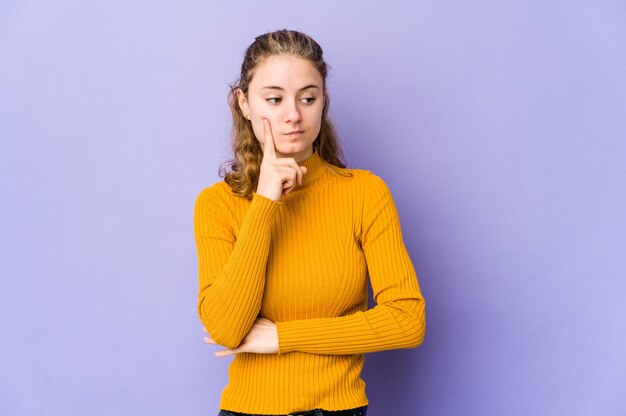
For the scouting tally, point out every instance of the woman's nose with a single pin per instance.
(293, 113)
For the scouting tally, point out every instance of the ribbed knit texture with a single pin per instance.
(303, 263)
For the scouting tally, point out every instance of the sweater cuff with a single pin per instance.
(292, 335)
(263, 205)
(287, 337)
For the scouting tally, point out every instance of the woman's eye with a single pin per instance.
(276, 100)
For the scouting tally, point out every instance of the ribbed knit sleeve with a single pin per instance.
(231, 270)
(398, 320)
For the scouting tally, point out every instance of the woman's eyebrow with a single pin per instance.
(275, 87)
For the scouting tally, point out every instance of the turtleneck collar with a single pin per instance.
(316, 166)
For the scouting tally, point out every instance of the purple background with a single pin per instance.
(500, 128)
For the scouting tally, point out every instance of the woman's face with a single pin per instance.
(289, 92)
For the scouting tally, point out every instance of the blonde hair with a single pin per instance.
(248, 153)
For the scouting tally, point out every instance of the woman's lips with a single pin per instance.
(294, 134)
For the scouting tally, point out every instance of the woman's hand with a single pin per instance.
(262, 339)
(278, 176)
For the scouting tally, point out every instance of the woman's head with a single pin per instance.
(291, 64)
(289, 92)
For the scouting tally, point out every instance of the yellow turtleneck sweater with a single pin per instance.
(302, 262)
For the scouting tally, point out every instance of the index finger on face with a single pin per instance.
(269, 150)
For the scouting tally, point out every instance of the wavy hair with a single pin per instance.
(246, 163)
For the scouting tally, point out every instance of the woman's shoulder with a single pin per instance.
(217, 193)
(369, 186)
(361, 177)
(214, 189)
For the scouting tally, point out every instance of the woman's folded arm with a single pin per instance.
(231, 270)
(398, 320)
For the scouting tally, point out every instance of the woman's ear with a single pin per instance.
(243, 103)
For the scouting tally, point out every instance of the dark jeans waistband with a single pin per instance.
(357, 411)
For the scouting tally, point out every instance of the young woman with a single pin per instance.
(286, 242)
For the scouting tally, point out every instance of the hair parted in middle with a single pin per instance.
(248, 153)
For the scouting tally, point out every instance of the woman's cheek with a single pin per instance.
(259, 129)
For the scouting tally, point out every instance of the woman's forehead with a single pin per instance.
(286, 72)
